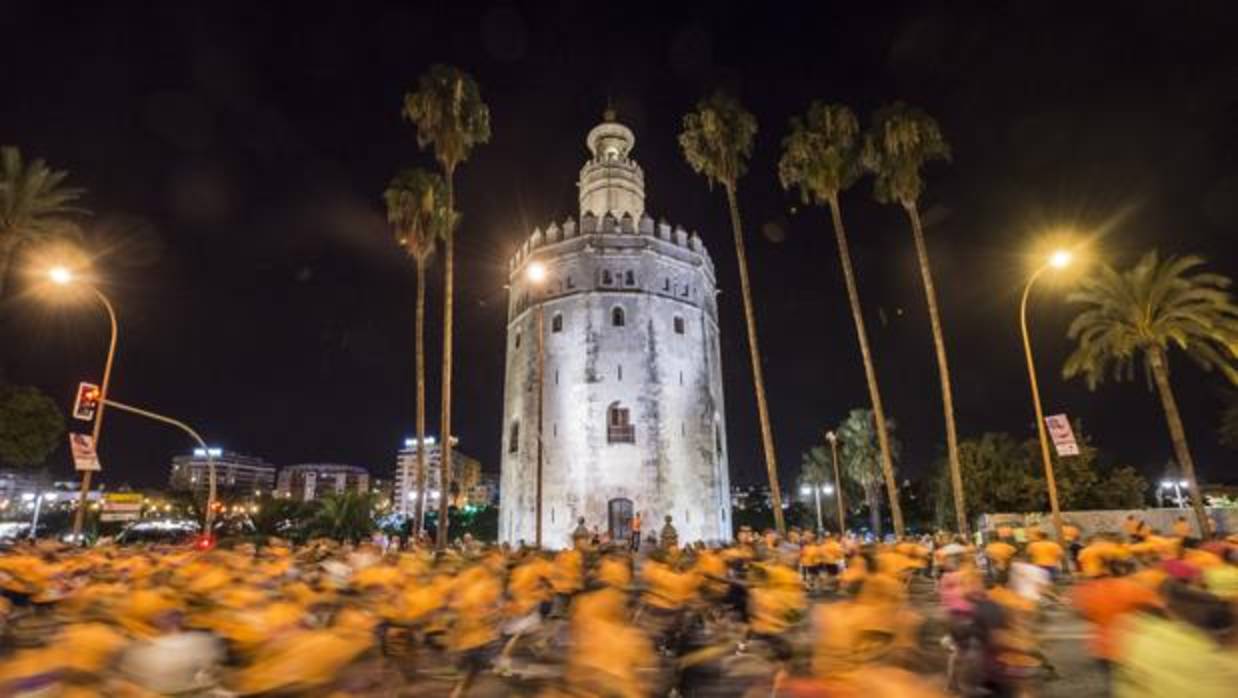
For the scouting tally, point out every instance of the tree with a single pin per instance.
(999, 476)
(417, 210)
(900, 142)
(1124, 488)
(860, 458)
(716, 140)
(821, 156)
(450, 115)
(1137, 315)
(34, 205)
(347, 516)
(31, 426)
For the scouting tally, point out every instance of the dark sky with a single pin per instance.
(235, 156)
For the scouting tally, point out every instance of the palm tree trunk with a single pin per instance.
(943, 370)
(874, 508)
(870, 371)
(8, 245)
(1160, 373)
(448, 308)
(421, 399)
(758, 376)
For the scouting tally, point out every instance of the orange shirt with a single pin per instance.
(1045, 553)
(999, 553)
(1182, 529)
(1103, 602)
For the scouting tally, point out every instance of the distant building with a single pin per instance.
(234, 473)
(465, 476)
(307, 482)
(486, 492)
(751, 497)
(15, 483)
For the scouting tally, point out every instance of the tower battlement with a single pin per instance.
(611, 231)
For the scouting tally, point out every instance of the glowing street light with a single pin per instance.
(61, 276)
(1058, 259)
(536, 272)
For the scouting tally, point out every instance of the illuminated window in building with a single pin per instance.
(619, 429)
(616, 317)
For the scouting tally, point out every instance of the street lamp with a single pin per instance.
(64, 276)
(838, 484)
(1176, 486)
(1059, 259)
(535, 273)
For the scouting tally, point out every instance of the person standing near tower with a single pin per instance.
(670, 537)
(636, 532)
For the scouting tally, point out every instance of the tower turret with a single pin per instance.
(611, 181)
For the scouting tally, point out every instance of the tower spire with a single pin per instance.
(611, 181)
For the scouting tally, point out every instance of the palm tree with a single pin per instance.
(416, 208)
(34, 204)
(1141, 313)
(449, 114)
(717, 141)
(816, 471)
(821, 156)
(902, 139)
(347, 516)
(860, 458)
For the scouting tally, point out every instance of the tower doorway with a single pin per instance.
(619, 519)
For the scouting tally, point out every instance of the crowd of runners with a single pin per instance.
(796, 615)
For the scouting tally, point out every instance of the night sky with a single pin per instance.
(235, 158)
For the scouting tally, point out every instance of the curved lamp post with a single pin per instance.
(64, 276)
(1060, 259)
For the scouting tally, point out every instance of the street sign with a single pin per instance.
(121, 506)
(1063, 436)
(86, 402)
(84, 456)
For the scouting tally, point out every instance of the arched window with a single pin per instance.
(556, 323)
(678, 322)
(619, 429)
(517, 340)
(616, 317)
(513, 438)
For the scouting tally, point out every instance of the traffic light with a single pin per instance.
(86, 404)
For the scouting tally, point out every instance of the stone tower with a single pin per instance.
(632, 410)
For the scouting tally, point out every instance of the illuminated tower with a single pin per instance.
(633, 411)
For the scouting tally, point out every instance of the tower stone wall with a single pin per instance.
(633, 417)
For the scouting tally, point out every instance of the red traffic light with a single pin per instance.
(86, 403)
